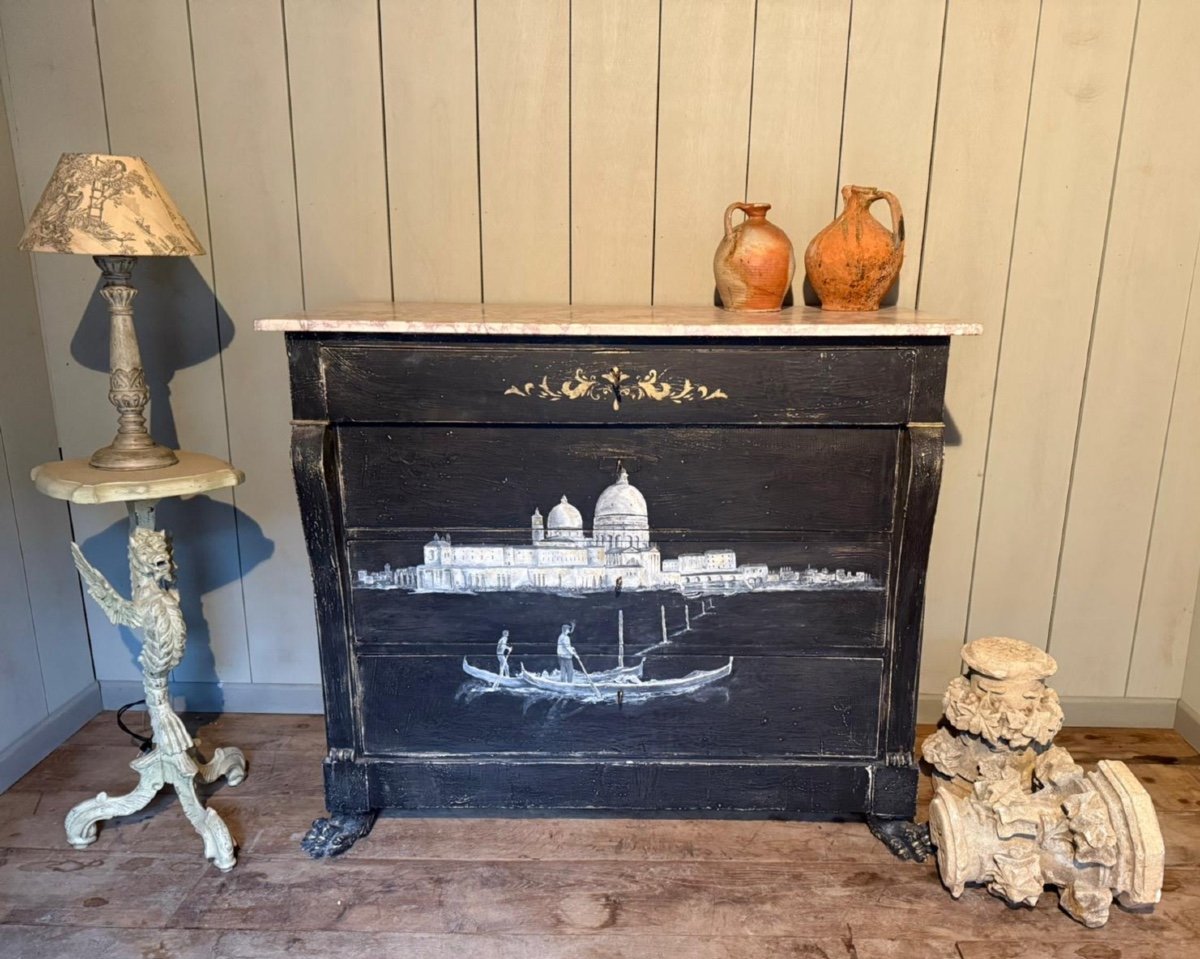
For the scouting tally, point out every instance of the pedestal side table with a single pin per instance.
(153, 611)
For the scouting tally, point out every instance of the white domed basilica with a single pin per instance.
(618, 554)
(563, 525)
(564, 557)
(621, 520)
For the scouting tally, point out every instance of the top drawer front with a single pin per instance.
(380, 382)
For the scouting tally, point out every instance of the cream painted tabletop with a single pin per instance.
(79, 482)
(511, 319)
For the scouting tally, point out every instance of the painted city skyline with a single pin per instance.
(618, 554)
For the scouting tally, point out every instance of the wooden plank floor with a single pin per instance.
(527, 888)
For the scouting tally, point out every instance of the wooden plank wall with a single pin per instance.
(45, 663)
(580, 150)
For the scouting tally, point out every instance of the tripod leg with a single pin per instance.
(82, 819)
(218, 844)
(227, 761)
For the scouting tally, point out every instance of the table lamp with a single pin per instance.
(114, 209)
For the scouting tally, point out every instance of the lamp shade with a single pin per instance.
(104, 205)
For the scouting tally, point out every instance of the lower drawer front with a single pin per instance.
(767, 707)
(784, 789)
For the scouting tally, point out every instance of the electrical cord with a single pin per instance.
(145, 743)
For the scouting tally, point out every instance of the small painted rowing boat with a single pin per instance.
(628, 686)
(495, 679)
(518, 682)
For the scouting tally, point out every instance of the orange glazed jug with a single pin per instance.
(754, 261)
(854, 261)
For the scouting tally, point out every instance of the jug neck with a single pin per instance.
(859, 197)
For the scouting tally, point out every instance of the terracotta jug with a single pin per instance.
(854, 261)
(754, 261)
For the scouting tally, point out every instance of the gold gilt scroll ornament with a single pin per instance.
(618, 385)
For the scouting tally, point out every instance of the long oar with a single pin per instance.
(587, 677)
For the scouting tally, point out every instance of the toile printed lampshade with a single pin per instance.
(103, 205)
(114, 209)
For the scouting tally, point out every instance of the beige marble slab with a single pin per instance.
(79, 482)
(508, 319)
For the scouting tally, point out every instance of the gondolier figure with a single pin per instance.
(502, 651)
(566, 654)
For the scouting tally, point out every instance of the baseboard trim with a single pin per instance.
(224, 697)
(1089, 711)
(1187, 723)
(48, 735)
(306, 698)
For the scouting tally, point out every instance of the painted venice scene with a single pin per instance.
(669, 599)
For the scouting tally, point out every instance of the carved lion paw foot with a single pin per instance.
(334, 835)
(907, 840)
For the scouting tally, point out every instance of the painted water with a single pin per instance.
(775, 701)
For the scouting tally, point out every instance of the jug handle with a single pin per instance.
(897, 217)
(729, 216)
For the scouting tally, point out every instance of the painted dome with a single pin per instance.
(621, 506)
(564, 522)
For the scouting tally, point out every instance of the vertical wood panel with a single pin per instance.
(891, 96)
(30, 437)
(241, 82)
(614, 90)
(150, 102)
(1074, 120)
(55, 105)
(26, 429)
(569, 138)
(703, 124)
(1139, 322)
(341, 179)
(796, 126)
(968, 238)
(433, 174)
(524, 159)
(1168, 608)
(22, 696)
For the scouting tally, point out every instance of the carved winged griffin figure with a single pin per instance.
(154, 612)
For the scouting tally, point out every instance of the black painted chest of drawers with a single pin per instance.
(671, 563)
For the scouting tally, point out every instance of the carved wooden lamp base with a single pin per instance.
(148, 456)
(117, 457)
(133, 448)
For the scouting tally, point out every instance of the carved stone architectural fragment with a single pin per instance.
(1015, 813)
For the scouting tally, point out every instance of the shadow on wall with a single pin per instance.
(175, 314)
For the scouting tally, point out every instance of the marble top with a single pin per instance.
(510, 319)
(79, 482)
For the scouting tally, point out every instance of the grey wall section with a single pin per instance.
(47, 686)
(1187, 717)
(465, 149)
(1190, 696)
